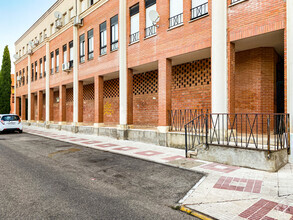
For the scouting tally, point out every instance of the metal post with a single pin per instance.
(186, 150)
(288, 133)
(207, 131)
(269, 138)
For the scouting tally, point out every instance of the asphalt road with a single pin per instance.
(42, 178)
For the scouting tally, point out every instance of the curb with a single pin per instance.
(195, 213)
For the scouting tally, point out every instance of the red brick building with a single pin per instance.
(222, 56)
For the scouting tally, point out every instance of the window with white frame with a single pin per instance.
(52, 62)
(52, 29)
(65, 18)
(82, 48)
(64, 53)
(103, 38)
(83, 5)
(71, 54)
(176, 13)
(32, 78)
(90, 43)
(114, 33)
(199, 8)
(134, 23)
(151, 29)
(57, 60)
(71, 14)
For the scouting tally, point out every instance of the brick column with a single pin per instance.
(130, 96)
(40, 105)
(80, 101)
(62, 103)
(33, 112)
(99, 100)
(51, 102)
(231, 77)
(16, 106)
(23, 108)
(186, 11)
(165, 82)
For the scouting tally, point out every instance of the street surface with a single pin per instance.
(42, 178)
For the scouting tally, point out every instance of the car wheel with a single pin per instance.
(20, 131)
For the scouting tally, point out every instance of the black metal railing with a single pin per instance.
(176, 20)
(71, 64)
(134, 37)
(150, 31)
(269, 132)
(179, 117)
(199, 11)
(114, 45)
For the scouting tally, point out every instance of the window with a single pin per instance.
(27, 74)
(41, 68)
(199, 8)
(90, 43)
(16, 79)
(45, 64)
(150, 28)
(64, 53)
(71, 14)
(19, 81)
(71, 54)
(23, 78)
(114, 33)
(57, 60)
(32, 78)
(91, 2)
(176, 13)
(36, 69)
(103, 38)
(52, 28)
(52, 62)
(83, 5)
(65, 19)
(41, 37)
(134, 23)
(81, 49)
(45, 33)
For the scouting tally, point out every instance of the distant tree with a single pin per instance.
(5, 82)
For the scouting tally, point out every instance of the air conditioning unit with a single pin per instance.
(18, 78)
(65, 67)
(78, 21)
(36, 42)
(58, 24)
(29, 51)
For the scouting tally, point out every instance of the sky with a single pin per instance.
(16, 17)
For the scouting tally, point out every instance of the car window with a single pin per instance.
(10, 118)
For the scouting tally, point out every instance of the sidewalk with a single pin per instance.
(226, 192)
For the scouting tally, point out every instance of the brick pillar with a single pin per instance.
(130, 96)
(33, 111)
(231, 77)
(40, 105)
(51, 102)
(165, 81)
(16, 110)
(186, 11)
(99, 100)
(80, 101)
(23, 108)
(62, 103)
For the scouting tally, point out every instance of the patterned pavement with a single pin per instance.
(227, 192)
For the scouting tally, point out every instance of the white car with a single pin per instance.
(10, 122)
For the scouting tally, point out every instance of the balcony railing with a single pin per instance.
(91, 55)
(71, 64)
(176, 20)
(52, 71)
(236, 1)
(150, 31)
(57, 69)
(114, 45)
(199, 11)
(134, 37)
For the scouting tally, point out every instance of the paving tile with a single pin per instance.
(106, 145)
(126, 148)
(149, 153)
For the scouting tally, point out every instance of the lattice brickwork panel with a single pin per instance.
(111, 88)
(69, 95)
(89, 92)
(192, 74)
(145, 83)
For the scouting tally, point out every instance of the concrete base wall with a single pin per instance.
(256, 159)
